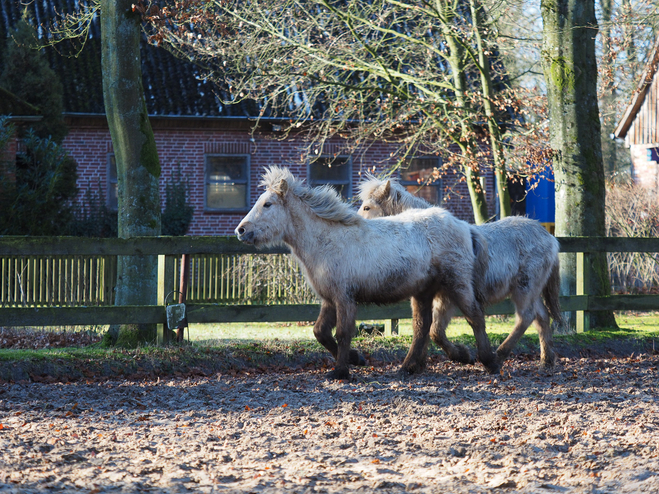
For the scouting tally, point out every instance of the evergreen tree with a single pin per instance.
(39, 201)
(27, 74)
(177, 216)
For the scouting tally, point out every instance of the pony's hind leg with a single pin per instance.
(415, 361)
(524, 315)
(475, 315)
(442, 312)
(546, 336)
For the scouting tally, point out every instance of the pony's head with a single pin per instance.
(264, 224)
(378, 197)
(386, 198)
(270, 220)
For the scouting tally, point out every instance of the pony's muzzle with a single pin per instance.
(244, 235)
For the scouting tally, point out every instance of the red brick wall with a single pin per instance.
(89, 144)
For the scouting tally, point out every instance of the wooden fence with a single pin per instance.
(79, 267)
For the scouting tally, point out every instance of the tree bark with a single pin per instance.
(570, 67)
(609, 148)
(465, 141)
(138, 167)
(496, 144)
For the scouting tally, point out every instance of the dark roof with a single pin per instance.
(172, 87)
(638, 96)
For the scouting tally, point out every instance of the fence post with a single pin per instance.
(165, 286)
(391, 327)
(583, 288)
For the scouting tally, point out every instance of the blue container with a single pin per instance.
(541, 201)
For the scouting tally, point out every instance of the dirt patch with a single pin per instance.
(590, 426)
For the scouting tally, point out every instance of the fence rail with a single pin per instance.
(87, 264)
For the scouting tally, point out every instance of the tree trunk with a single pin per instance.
(498, 158)
(138, 167)
(609, 148)
(570, 68)
(465, 141)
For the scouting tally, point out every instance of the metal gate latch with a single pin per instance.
(175, 314)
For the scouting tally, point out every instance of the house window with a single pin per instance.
(227, 182)
(113, 198)
(335, 172)
(416, 177)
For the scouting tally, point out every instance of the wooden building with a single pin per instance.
(639, 126)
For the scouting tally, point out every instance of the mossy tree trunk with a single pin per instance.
(570, 67)
(466, 140)
(487, 89)
(138, 167)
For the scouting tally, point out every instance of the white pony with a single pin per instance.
(422, 255)
(523, 265)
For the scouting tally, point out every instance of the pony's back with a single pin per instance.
(388, 198)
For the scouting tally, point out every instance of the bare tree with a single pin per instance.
(420, 74)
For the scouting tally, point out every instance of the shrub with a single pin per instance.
(632, 211)
(92, 217)
(39, 201)
(177, 215)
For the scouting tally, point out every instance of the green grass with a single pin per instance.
(244, 347)
(210, 333)
(260, 340)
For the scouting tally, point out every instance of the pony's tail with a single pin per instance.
(479, 245)
(551, 292)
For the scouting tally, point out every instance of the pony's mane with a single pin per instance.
(399, 195)
(324, 201)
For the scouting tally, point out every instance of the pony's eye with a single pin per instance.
(267, 205)
(366, 208)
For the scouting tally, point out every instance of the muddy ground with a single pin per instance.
(591, 426)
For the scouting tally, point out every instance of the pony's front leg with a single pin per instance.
(345, 327)
(322, 330)
(415, 361)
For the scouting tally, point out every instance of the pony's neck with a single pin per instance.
(306, 231)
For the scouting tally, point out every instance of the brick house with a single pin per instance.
(639, 126)
(212, 143)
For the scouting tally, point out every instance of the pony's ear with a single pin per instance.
(387, 189)
(281, 188)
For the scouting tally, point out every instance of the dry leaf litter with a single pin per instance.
(590, 426)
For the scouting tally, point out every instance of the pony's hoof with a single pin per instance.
(357, 358)
(492, 365)
(338, 374)
(547, 363)
(463, 355)
(410, 370)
